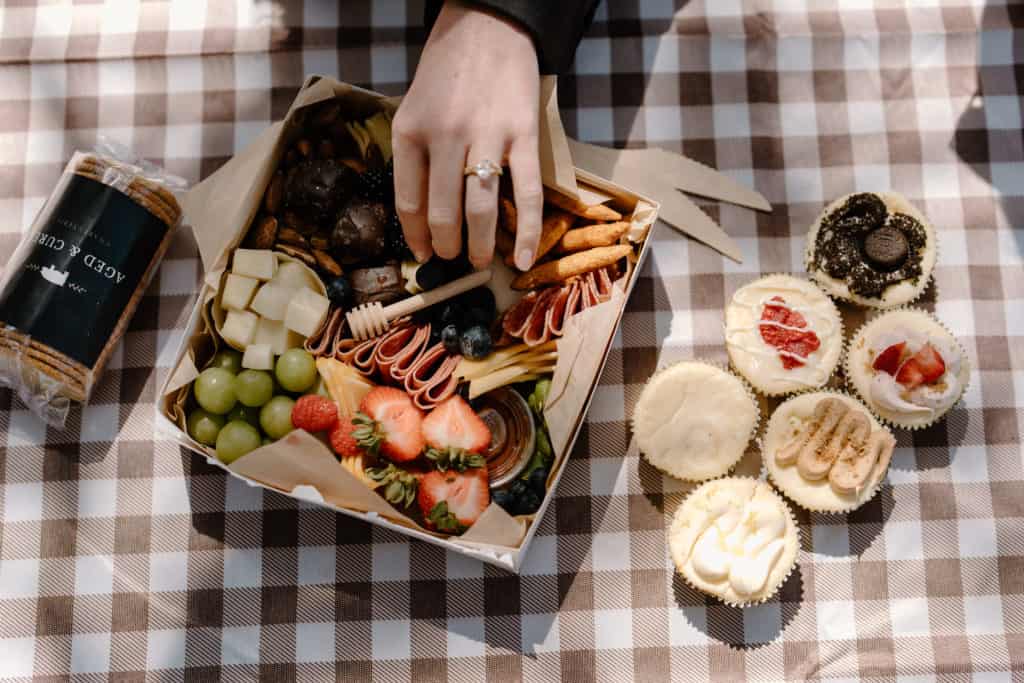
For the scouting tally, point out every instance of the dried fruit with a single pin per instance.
(275, 194)
(326, 262)
(360, 231)
(317, 189)
(264, 233)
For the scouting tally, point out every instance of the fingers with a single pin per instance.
(411, 194)
(444, 212)
(482, 205)
(524, 162)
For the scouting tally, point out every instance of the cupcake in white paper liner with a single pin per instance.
(694, 420)
(734, 539)
(907, 368)
(783, 334)
(826, 452)
(874, 249)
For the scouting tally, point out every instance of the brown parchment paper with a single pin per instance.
(221, 209)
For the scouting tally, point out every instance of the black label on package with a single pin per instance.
(75, 273)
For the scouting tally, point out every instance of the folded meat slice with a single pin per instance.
(432, 378)
(536, 331)
(359, 355)
(518, 315)
(398, 352)
(603, 281)
(554, 321)
(322, 342)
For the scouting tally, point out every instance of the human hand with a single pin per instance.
(475, 97)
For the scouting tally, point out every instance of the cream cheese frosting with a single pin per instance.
(694, 421)
(761, 363)
(918, 406)
(787, 424)
(896, 294)
(734, 538)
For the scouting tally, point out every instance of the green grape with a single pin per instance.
(203, 426)
(235, 440)
(245, 414)
(254, 387)
(229, 359)
(215, 390)
(295, 370)
(267, 441)
(276, 417)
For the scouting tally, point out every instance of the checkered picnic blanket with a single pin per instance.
(122, 555)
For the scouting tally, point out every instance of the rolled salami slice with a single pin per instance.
(322, 343)
(396, 360)
(536, 326)
(432, 378)
(555, 319)
(359, 355)
(515, 318)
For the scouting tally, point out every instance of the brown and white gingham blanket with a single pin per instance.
(123, 557)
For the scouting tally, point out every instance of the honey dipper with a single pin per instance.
(373, 319)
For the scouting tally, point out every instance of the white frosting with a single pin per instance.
(923, 404)
(734, 538)
(760, 362)
(894, 295)
(694, 421)
(786, 422)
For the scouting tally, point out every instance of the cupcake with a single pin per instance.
(783, 334)
(734, 539)
(874, 249)
(907, 368)
(826, 452)
(694, 420)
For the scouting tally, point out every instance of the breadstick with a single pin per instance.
(507, 214)
(504, 242)
(597, 212)
(552, 229)
(569, 266)
(590, 236)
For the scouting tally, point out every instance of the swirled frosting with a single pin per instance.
(925, 400)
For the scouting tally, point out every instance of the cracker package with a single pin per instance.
(71, 287)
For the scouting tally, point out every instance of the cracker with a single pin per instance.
(595, 212)
(581, 262)
(590, 236)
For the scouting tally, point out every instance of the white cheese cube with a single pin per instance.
(278, 337)
(306, 312)
(239, 328)
(293, 275)
(238, 291)
(271, 301)
(258, 357)
(260, 264)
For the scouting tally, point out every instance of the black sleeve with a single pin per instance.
(557, 26)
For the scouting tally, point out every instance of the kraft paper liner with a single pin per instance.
(926, 277)
(753, 430)
(792, 535)
(965, 370)
(219, 313)
(839, 357)
(795, 498)
(221, 210)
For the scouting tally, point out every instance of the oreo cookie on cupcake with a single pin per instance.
(874, 249)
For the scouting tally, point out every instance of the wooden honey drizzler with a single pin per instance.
(373, 319)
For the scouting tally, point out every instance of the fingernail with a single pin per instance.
(421, 256)
(525, 259)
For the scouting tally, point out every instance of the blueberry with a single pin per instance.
(481, 298)
(528, 503)
(430, 274)
(538, 481)
(339, 291)
(435, 336)
(504, 499)
(451, 339)
(476, 342)
(449, 314)
(517, 489)
(478, 316)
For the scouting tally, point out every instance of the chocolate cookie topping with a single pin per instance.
(869, 248)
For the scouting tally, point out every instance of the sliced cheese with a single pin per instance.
(474, 369)
(258, 357)
(509, 375)
(293, 275)
(277, 336)
(237, 293)
(306, 311)
(345, 384)
(271, 301)
(239, 328)
(260, 264)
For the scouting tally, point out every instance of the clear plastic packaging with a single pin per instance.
(74, 282)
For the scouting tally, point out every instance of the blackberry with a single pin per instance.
(395, 240)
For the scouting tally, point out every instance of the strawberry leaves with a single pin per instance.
(455, 459)
(400, 487)
(443, 520)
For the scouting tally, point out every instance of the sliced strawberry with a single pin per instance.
(888, 361)
(910, 374)
(342, 441)
(390, 424)
(451, 501)
(453, 424)
(787, 334)
(929, 363)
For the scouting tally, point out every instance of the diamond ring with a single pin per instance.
(483, 170)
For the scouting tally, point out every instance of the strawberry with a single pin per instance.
(389, 424)
(788, 334)
(888, 361)
(314, 413)
(451, 501)
(342, 441)
(910, 374)
(924, 367)
(453, 424)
